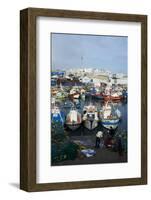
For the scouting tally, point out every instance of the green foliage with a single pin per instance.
(57, 128)
(61, 147)
(63, 151)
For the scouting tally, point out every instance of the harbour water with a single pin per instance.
(87, 138)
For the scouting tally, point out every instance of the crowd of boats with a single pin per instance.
(108, 115)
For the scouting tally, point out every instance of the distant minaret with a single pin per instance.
(82, 63)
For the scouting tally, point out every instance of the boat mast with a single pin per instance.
(82, 62)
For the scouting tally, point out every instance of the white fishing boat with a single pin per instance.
(118, 113)
(73, 119)
(109, 116)
(53, 100)
(90, 117)
(83, 97)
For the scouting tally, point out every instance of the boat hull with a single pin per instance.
(58, 118)
(74, 96)
(107, 98)
(99, 97)
(110, 123)
(73, 126)
(90, 124)
(73, 120)
(124, 95)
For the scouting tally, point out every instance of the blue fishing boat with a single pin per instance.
(109, 116)
(53, 82)
(83, 95)
(57, 116)
(68, 104)
(97, 93)
(125, 94)
(77, 103)
(91, 92)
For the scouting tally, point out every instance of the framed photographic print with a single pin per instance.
(83, 93)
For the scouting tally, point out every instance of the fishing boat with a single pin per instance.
(54, 91)
(90, 117)
(61, 95)
(124, 94)
(53, 101)
(114, 96)
(109, 116)
(98, 94)
(77, 103)
(118, 113)
(74, 94)
(107, 93)
(57, 116)
(82, 94)
(53, 82)
(92, 91)
(112, 93)
(95, 92)
(68, 104)
(73, 119)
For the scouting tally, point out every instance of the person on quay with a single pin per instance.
(99, 139)
(112, 132)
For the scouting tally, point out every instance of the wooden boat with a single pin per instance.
(54, 91)
(73, 119)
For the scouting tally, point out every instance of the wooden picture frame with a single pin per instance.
(28, 98)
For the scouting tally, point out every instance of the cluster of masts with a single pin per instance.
(105, 93)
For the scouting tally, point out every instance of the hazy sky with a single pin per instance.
(102, 52)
